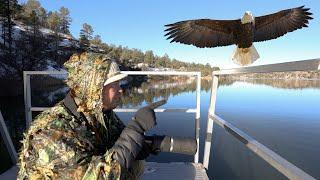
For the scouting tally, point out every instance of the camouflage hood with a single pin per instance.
(87, 73)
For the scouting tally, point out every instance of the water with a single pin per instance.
(283, 115)
(285, 120)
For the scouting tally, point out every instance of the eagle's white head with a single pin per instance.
(247, 18)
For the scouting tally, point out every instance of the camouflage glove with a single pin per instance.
(131, 140)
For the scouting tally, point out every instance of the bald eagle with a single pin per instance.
(242, 32)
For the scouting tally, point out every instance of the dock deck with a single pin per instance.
(153, 170)
(174, 170)
(10, 173)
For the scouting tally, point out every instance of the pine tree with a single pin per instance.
(65, 20)
(85, 35)
(29, 8)
(43, 17)
(53, 21)
(33, 7)
(125, 55)
(96, 40)
(2, 8)
(149, 57)
(137, 56)
(2, 20)
(7, 12)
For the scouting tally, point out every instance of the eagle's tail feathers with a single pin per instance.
(245, 56)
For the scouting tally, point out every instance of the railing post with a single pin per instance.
(27, 98)
(197, 120)
(212, 107)
(7, 140)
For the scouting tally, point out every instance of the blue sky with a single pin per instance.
(140, 24)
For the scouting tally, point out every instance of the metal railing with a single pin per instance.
(7, 140)
(275, 160)
(29, 109)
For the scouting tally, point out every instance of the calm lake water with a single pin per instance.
(283, 115)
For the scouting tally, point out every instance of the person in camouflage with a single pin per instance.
(81, 137)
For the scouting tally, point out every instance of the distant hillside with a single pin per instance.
(32, 50)
(40, 50)
(277, 75)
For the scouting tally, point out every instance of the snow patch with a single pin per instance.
(46, 31)
(51, 67)
(52, 96)
(65, 43)
(20, 28)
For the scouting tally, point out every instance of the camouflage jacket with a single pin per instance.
(60, 146)
(73, 144)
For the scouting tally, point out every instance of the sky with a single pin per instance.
(140, 24)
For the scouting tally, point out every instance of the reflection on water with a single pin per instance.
(285, 120)
(282, 114)
(277, 83)
(157, 89)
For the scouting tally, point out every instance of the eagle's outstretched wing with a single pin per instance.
(203, 32)
(275, 25)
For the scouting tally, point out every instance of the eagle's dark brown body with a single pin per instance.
(242, 32)
(244, 37)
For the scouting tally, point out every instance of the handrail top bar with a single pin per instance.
(124, 72)
(45, 72)
(193, 73)
(186, 110)
(305, 65)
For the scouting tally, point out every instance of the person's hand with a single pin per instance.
(131, 140)
(145, 118)
(151, 145)
(145, 151)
